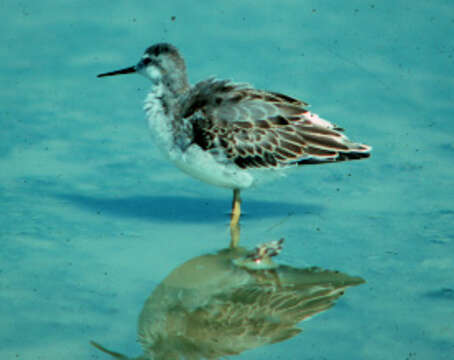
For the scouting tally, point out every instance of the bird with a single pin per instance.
(228, 133)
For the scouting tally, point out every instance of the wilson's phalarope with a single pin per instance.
(227, 133)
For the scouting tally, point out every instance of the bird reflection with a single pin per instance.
(222, 304)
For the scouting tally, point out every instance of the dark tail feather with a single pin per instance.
(341, 157)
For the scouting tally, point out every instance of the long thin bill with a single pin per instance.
(128, 70)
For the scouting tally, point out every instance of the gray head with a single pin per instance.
(161, 63)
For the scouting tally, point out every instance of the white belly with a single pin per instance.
(203, 166)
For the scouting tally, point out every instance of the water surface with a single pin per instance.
(92, 219)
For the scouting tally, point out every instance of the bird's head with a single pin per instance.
(160, 62)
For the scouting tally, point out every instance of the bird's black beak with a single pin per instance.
(128, 70)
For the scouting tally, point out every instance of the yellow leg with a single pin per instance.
(235, 219)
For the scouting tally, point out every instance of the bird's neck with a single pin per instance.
(169, 89)
(171, 85)
(176, 83)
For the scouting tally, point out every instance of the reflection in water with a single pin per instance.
(223, 304)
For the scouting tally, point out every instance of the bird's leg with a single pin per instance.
(235, 218)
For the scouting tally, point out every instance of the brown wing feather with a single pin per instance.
(256, 128)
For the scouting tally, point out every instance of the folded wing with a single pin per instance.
(256, 128)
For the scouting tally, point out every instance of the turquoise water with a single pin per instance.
(92, 219)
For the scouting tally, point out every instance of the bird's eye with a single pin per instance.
(150, 60)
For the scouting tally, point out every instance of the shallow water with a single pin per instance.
(92, 219)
